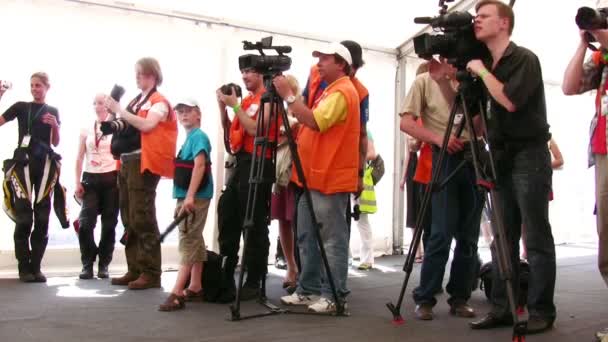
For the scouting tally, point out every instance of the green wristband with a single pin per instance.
(483, 73)
(236, 108)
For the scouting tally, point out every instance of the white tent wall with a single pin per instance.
(86, 49)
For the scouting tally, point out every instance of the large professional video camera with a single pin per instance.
(262, 63)
(588, 18)
(457, 43)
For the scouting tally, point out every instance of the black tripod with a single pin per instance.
(262, 143)
(485, 179)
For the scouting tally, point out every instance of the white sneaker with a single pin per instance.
(324, 305)
(298, 299)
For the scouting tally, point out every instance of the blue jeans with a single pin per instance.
(456, 215)
(524, 182)
(329, 211)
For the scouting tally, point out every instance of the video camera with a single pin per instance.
(588, 18)
(457, 43)
(266, 65)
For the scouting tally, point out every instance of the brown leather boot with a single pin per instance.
(125, 279)
(145, 281)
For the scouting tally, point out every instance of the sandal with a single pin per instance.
(173, 303)
(191, 296)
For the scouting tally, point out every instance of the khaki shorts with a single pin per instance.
(191, 243)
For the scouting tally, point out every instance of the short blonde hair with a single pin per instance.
(150, 66)
(43, 77)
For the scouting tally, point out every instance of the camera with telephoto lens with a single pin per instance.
(457, 43)
(268, 65)
(116, 125)
(226, 89)
(588, 18)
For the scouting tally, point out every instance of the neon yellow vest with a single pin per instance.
(367, 201)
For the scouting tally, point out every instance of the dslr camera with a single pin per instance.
(457, 43)
(226, 89)
(267, 65)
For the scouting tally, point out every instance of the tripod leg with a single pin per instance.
(426, 201)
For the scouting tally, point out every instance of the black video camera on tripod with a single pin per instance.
(458, 45)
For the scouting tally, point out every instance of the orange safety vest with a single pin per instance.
(330, 160)
(241, 140)
(425, 165)
(158, 145)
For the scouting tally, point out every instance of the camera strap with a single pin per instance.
(139, 104)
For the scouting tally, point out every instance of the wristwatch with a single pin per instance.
(290, 99)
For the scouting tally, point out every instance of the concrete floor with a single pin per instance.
(69, 309)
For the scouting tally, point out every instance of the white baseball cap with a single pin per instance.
(337, 49)
(187, 101)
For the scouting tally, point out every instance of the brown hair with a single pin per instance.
(504, 11)
(347, 68)
(150, 66)
(42, 76)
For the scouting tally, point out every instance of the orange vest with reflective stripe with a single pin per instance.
(239, 138)
(330, 160)
(158, 145)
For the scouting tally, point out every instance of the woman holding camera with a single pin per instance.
(38, 130)
(98, 190)
(140, 171)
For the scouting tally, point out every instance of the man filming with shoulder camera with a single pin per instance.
(518, 133)
(582, 76)
(242, 130)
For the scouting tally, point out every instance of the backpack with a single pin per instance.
(212, 276)
(485, 276)
(377, 168)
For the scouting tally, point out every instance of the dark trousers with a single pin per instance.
(524, 185)
(100, 198)
(138, 213)
(29, 259)
(456, 214)
(256, 258)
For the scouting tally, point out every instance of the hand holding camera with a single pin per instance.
(4, 86)
(282, 86)
(228, 95)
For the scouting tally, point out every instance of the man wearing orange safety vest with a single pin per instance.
(315, 86)
(331, 169)
(242, 134)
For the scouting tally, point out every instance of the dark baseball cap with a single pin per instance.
(355, 51)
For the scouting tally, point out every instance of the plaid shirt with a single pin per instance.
(594, 77)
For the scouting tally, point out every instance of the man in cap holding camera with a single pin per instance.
(582, 76)
(315, 86)
(518, 133)
(242, 134)
(330, 165)
(457, 206)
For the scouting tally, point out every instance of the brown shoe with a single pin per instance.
(462, 310)
(145, 281)
(125, 279)
(424, 312)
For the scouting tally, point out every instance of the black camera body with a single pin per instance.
(262, 63)
(226, 89)
(588, 18)
(457, 43)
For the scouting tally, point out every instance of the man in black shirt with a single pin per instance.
(518, 133)
(38, 130)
